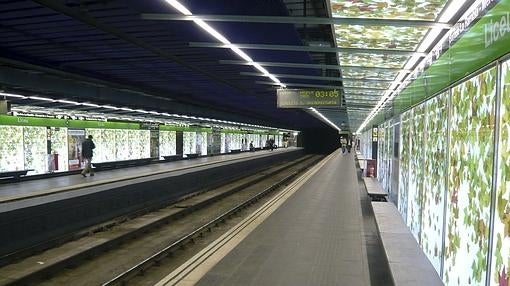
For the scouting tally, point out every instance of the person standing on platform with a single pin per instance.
(87, 151)
(343, 142)
(252, 148)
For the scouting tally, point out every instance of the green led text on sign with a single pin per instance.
(303, 98)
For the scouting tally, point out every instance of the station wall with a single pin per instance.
(453, 183)
(33, 143)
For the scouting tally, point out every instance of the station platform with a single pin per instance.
(311, 234)
(42, 187)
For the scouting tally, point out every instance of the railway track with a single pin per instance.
(118, 253)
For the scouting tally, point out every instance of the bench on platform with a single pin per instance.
(192, 155)
(374, 189)
(408, 264)
(14, 174)
(123, 163)
(235, 151)
(171, 158)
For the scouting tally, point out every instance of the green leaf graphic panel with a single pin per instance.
(470, 180)
(500, 269)
(105, 141)
(381, 145)
(416, 175)
(122, 144)
(362, 91)
(167, 143)
(11, 149)
(404, 161)
(202, 143)
(409, 9)
(189, 143)
(35, 148)
(372, 60)
(366, 84)
(60, 146)
(435, 168)
(360, 73)
(379, 37)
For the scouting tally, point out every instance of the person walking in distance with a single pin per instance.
(87, 147)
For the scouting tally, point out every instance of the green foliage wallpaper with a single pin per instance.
(139, 144)
(109, 148)
(202, 143)
(122, 144)
(410, 9)
(403, 178)
(500, 268)
(236, 141)
(223, 138)
(189, 143)
(415, 191)
(59, 145)
(435, 173)
(167, 143)
(35, 147)
(366, 144)
(11, 149)
(385, 154)
(471, 154)
(381, 144)
(101, 144)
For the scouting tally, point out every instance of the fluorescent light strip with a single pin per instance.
(68, 102)
(218, 36)
(451, 10)
(12, 95)
(41, 98)
(325, 118)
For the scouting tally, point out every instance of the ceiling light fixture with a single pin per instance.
(324, 118)
(451, 10)
(218, 36)
(41, 98)
(12, 95)
(68, 102)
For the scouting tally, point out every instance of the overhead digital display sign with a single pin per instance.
(303, 98)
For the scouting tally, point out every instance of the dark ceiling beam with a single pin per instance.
(311, 66)
(11, 79)
(305, 49)
(302, 85)
(325, 78)
(324, 86)
(76, 14)
(298, 20)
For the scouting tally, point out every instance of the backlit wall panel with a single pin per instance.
(435, 174)
(11, 149)
(500, 267)
(471, 152)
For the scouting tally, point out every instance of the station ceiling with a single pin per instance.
(169, 64)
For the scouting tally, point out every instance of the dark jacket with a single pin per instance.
(86, 148)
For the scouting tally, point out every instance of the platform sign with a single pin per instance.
(303, 98)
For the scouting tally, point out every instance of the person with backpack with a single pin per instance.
(87, 152)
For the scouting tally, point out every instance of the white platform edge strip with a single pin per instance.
(196, 267)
